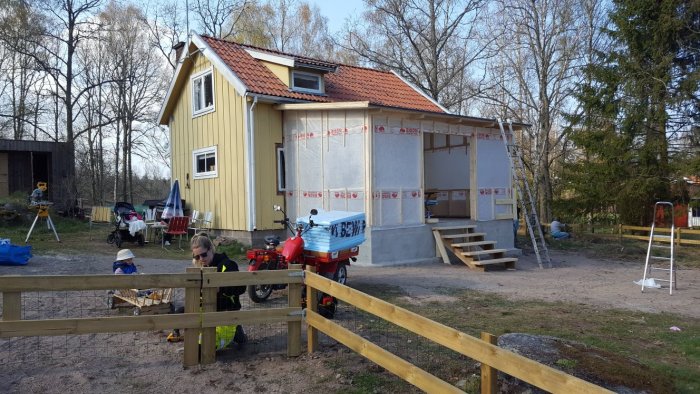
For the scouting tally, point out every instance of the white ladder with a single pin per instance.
(525, 199)
(655, 242)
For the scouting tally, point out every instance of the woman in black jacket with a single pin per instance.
(227, 298)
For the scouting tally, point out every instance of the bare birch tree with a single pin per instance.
(431, 43)
(541, 49)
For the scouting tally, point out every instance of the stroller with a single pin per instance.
(128, 225)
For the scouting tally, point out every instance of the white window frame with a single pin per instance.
(281, 169)
(305, 74)
(205, 174)
(200, 76)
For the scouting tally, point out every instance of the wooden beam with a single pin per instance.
(311, 305)
(94, 282)
(245, 278)
(392, 363)
(489, 376)
(294, 327)
(440, 247)
(79, 326)
(53, 327)
(9, 283)
(192, 306)
(513, 364)
(207, 346)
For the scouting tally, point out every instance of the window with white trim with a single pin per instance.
(203, 93)
(307, 82)
(281, 169)
(204, 163)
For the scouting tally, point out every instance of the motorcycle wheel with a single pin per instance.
(259, 293)
(341, 274)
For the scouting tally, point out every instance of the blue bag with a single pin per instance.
(14, 254)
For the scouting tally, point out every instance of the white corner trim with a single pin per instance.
(219, 64)
(421, 92)
(271, 57)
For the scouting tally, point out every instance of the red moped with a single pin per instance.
(276, 257)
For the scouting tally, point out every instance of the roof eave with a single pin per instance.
(219, 64)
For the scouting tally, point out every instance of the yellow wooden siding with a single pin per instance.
(282, 72)
(224, 128)
(268, 132)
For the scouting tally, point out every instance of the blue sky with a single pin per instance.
(338, 10)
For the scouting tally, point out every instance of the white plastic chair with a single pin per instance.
(149, 217)
(194, 222)
(204, 223)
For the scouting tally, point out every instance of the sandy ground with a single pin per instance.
(574, 278)
(145, 363)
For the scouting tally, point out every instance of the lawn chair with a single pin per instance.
(194, 221)
(176, 226)
(100, 215)
(149, 217)
(204, 223)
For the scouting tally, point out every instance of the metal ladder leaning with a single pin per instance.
(525, 199)
(654, 242)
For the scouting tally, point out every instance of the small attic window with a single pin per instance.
(307, 82)
(202, 93)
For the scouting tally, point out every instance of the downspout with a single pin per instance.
(250, 196)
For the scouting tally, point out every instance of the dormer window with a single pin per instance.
(203, 93)
(307, 82)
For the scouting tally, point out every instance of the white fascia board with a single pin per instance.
(271, 57)
(420, 91)
(219, 64)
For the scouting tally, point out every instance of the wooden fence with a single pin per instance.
(200, 286)
(195, 321)
(681, 236)
(492, 358)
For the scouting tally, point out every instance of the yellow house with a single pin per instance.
(251, 128)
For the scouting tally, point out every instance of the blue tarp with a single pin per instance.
(15, 255)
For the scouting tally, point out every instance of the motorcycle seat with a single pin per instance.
(273, 240)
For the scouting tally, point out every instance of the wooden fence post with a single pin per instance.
(311, 305)
(193, 304)
(12, 305)
(208, 344)
(489, 375)
(294, 327)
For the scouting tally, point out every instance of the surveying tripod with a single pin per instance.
(42, 212)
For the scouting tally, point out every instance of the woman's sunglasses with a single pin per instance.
(200, 256)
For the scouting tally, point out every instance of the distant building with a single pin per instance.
(24, 163)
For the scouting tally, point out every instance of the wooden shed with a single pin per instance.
(24, 163)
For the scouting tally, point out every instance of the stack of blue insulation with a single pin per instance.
(334, 231)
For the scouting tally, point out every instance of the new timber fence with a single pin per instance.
(681, 236)
(200, 319)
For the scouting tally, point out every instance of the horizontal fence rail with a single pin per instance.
(520, 367)
(681, 236)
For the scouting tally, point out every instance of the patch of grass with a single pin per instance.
(566, 363)
(641, 336)
(76, 237)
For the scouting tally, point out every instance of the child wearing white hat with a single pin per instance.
(125, 263)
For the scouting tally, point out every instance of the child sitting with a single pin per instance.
(125, 263)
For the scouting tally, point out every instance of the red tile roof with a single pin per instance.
(347, 83)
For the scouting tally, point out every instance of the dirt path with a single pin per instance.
(575, 278)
